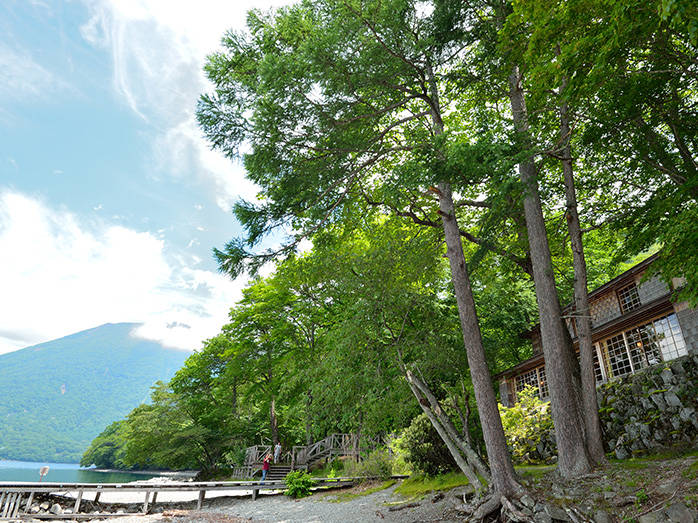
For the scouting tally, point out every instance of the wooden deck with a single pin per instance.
(17, 498)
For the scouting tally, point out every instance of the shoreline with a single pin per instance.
(189, 474)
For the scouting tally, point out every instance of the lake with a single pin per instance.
(62, 473)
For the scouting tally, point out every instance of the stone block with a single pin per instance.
(658, 400)
(680, 513)
(667, 376)
(672, 400)
(677, 368)
(687, 413)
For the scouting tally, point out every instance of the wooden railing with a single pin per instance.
(328, 448)
(302, 457)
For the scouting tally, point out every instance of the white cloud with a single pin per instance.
(59, 275)
(23, 78)
(158, 50)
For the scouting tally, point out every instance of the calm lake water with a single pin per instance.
(62, 473)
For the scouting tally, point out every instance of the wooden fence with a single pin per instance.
(16, 498)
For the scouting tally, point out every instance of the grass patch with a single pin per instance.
(534, 471)
(348, 496)
(632, 464)
(420, 485)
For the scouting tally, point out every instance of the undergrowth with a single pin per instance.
(420, 485)
(349, 496)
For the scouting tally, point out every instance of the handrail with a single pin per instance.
(337, 444)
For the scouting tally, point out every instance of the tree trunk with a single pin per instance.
(273, 423)
(560, 358)
(446, 437)
(592, 424)
(503, 475)
(470, 455)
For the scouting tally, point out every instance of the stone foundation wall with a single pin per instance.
(688, 320)
(651, 410)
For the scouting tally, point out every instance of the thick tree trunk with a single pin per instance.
(470, 455)
(594, 436)
(503, 475)
(560, 358)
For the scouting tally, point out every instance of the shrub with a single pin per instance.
(378, 464)
(528, 427)
(424, 449)
(298, 484)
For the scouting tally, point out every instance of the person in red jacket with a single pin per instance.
(265, 466)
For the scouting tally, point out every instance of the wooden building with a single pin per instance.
(635, 324)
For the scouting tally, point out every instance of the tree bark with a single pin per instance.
(560, 358)
(592, 424)
(443, 433)
(273, 422)
(502, 469)
(503, 475)
(470, 455)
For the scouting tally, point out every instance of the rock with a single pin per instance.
(672, 399)
(667, 376)
(623, 501)
(677, 368)
(680, 513)
(56, 509)
(556, 513)
(686, 413)
(658, 400)
(652, 517)
(542, 517)
(45, 505)
(601, 517)
(528, 501)
(621, 453)
(667, 488)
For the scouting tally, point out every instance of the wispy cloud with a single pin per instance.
(158, 49)
(67, 275)
(24, 79)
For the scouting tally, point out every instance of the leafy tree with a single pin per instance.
(342, 95)
(108, 450)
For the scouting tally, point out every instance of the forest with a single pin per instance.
(435, 178)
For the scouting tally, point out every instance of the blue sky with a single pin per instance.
(110, 198)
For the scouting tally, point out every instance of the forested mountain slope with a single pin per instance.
(56, 397)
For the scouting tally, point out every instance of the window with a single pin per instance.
(615, 355)
(648, 344)
(535, 378)
(629, 298)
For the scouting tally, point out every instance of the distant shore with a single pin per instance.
(163, 473)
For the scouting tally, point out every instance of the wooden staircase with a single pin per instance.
(278, 472)
(300, 457)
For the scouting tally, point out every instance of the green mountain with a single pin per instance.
(56, 397)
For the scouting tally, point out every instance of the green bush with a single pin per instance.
(378, 464)
(298, 484)
(423, 448)
(526, 425)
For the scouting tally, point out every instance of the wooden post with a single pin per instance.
(202, 494)
(99, 493)
(78, 500)
(2, 499)
(255, 491)
(29, 502)
(145, 503)
(10, 502)
(18, 502)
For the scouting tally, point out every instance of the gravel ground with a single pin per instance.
(318, 508)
